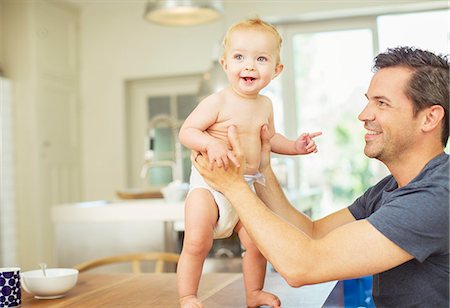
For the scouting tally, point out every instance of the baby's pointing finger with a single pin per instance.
(315, 134)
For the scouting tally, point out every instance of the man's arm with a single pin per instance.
(353, 249)
(273, 196)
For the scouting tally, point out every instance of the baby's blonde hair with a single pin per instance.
(255, 24)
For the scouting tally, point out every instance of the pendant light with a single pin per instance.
(183, 12)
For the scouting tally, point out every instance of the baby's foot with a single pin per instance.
(262, 298)
(190, 301)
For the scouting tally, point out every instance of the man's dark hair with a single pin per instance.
(429, 83)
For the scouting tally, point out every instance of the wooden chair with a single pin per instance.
(135, 259)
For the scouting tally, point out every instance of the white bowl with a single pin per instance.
(175, 192)
(56, 284)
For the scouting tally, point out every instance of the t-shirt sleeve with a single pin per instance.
(416, 220)
(358, 209)
(366, 204)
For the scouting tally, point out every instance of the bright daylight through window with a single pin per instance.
(332, 69)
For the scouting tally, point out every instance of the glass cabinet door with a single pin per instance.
(157, 107)
(178, 107)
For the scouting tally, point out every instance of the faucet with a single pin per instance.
(176, 166)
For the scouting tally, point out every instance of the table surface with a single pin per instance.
(159, 290)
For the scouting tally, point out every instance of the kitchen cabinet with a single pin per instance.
(89, 230)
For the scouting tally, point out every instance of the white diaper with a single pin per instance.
(228, 218)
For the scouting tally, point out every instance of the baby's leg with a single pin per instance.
(254, 270)
(201, 215)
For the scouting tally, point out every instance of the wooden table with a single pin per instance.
(159, 290)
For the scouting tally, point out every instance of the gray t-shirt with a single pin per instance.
(416, 218)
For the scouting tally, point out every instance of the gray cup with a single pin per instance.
(10, 293)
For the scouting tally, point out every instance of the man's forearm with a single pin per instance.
(285, 246)
(273, 196)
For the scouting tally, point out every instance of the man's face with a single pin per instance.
(392, 129)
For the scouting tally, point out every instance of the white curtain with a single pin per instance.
(8, 236)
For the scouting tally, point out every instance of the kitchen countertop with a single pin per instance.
(126, 210)
(119, 211)
(136, 212)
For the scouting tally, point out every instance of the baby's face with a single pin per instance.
(251, 61)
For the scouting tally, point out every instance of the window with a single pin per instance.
(327, 71)
(426, 30)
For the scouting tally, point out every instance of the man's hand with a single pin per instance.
(221, 178)
(219, 155)
(265, 149)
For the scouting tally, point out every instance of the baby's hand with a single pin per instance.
(219, 155)
(305, 143)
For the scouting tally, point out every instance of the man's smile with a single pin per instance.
(371, 134)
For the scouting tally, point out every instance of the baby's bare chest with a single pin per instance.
(248, 118)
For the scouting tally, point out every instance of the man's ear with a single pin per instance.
(278, 70)
(432, 117)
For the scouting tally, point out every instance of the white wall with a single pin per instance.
(118, 45)
(1, 37)
(38, 40)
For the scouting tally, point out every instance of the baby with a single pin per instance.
(251, 60)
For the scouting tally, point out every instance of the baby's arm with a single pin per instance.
(304, 144)
(193, 136)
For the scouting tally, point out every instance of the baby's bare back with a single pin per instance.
(248, 116)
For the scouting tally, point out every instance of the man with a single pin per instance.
(398, 230)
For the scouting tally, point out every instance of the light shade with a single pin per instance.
(183, 12)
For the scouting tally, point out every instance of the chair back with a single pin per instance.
(135, 259)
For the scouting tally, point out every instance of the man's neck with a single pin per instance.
(407, 167)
